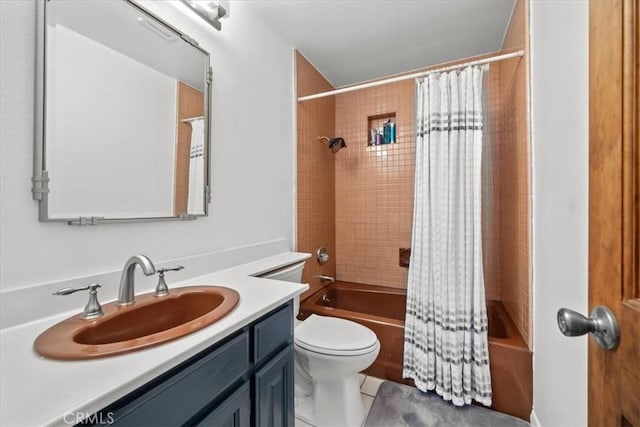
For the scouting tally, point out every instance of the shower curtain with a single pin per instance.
(195, 200)
(445, 343)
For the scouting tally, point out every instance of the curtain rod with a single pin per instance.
(411, 76)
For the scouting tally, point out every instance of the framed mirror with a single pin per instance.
(122, 116)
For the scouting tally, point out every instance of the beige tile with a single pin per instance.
(371, 385)
(367, 401)
(374, 185)
(511, 181)
(300, 423)
(315, 180)
(362, 378)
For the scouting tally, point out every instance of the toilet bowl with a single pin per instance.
(329, 354)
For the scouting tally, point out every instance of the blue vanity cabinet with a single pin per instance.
(274, 391)
(235, 411)
(246, 379)
(273, 378)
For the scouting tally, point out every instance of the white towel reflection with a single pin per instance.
(196, 169)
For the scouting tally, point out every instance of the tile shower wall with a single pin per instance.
(315, 176)
(374, 186)
(513, 176)
(491, 212)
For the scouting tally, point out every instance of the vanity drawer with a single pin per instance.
(181, 396)
(273, 334)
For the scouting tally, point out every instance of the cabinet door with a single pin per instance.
(184, 393)
(235, 411)
(274, 404)
(272, 334)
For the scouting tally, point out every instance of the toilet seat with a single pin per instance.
(334, 336)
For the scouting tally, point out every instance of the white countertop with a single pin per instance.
(38, 391)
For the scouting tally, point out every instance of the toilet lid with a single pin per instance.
(334, 336)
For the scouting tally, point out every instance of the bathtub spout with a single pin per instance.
(324, 278)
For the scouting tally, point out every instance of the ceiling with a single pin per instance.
(351, 41)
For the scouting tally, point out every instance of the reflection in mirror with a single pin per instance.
(190, 151)
(125, 133)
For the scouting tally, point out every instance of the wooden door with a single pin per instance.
(190, 104)
(614, 244)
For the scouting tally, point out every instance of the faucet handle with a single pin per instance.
(93, 309)
(68, 291)
(325, 278)
(164, 270)
(162, 288)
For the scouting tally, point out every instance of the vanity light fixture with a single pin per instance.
(210, 11)
(162, 32)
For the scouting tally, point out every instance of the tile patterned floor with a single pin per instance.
(368, 389)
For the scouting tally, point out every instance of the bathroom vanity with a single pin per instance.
(237, 371)
(247, 379)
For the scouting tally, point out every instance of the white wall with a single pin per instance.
(252, 166)
(559, 98)
(97, 165)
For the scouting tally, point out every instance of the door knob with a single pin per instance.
(601, 324)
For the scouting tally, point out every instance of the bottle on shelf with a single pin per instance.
(386, 132)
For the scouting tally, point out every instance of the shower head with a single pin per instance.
(335, 144)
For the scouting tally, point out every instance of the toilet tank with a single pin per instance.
(288, 273)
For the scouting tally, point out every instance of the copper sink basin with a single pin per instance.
(151, 320)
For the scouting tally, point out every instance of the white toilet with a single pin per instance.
(329, 353)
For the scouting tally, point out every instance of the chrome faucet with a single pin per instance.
(324, 278)
(126, 295)
(93, 309)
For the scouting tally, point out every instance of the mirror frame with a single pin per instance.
(40, 178)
